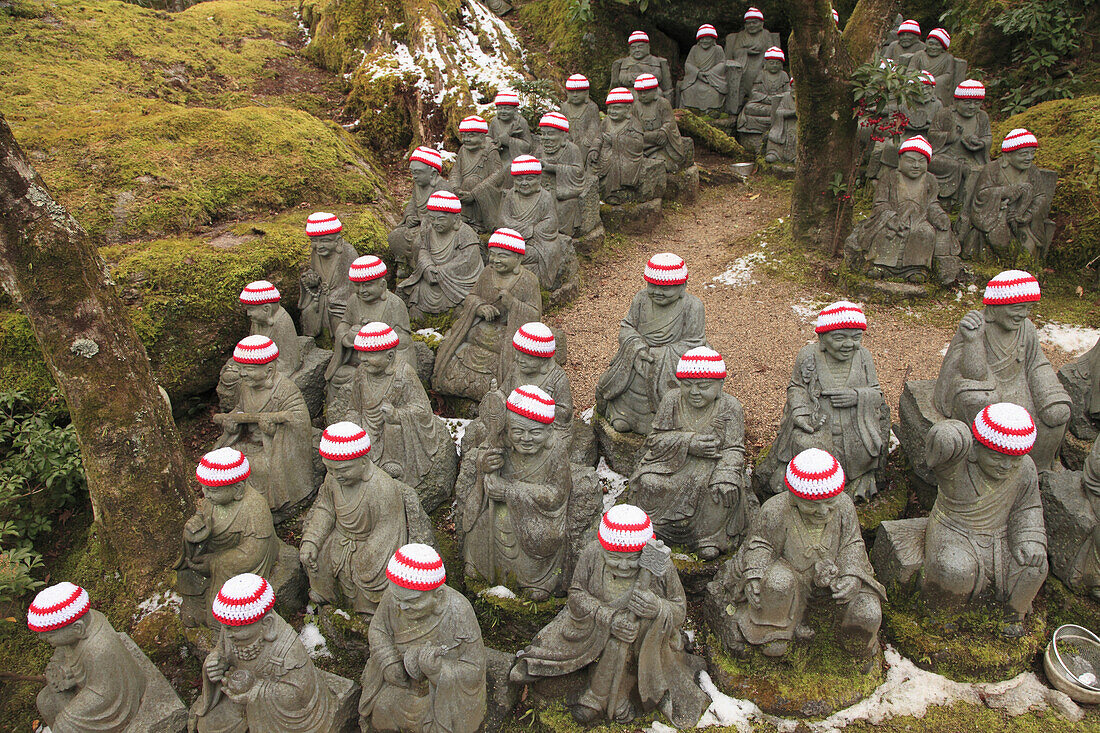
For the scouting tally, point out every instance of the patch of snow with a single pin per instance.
(613, 484)
(430, 333)
(724, 710)
(943, 351)
(167, 599)
(894, 442)
(971, 288)
(497, 591)
(457, 426)
(740, 272)
(807, 309)
(314, 641)
(658, 727)
(342, 614)
(303, 29)
(587, 415)
(1074, 340)
(681, 557)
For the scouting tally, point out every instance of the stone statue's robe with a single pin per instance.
(480, 175)
(955, 163)
(901, 56)
(1089, 367)
(1001, 213)
(782, 142)
(694, 501)
(626, 70)
(322, 307)
(746, 51)
(451, 702)
(767, 92)
(921, 115)
(621, 159)
(584, 125)
(512, 139)
(536, 218)
(568, 183)
(705, 83)
(948, 70)
(447, 266)
(109, 684)
(1086, 565)
(662, 134)
(404, 239)
(388, 309)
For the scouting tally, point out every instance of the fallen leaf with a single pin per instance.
(1080, 292)
(754, 197)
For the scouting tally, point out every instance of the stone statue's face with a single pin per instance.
(263, 314)
(907, 40)
(528, 183)
(325, 244)
(814, 512)
(224, 495)
(967, 107)
(66, 635)
(842, 343)
(576, 96)
(414, 604)
(247, 635)
(526, 436)
(369, 291)
(473, 140)
(622, 564)
(504, 261)
(700, 393)
(662, 295)
(647, 96)
(618, 112)
(531, 366)
(257, 376)
(932, 47)
(507, 112)
(422, 173)
(377, 363)
(912, 165)
(995, 465)
(754, 26)
(773, 66)
(347, 473)
(639, 50)
(552, 138)
(443, 221)
(1008, 317)
(706, 43)
(1021, 159)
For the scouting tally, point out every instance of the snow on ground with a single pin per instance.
(807, 309)
(430, 334)
(303, 29)
(613, 484)
(314, 641)
(894, 442)
(725, 710)
(168, 599)
(457, 426)
(497, 591)
(587, 415)
(1074, 340)
(740, 272)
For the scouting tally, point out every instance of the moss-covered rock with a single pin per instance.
(509, 624)
(709, 136)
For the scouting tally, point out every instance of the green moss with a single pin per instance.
(890, 502)
(585, 48)
(441, 322)
(21, 366)
(964, 717)
(509, 623)
(553, 717)
(709, 136)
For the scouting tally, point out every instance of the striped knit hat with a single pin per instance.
(941, 35)
(1018, 139)
(706, 30)
(577, 83)
(244, 599)
(506, 99)
(473, 123)
(259, 292)
(376, 336)
(814, 474)
(841, 314)
(970, 89)
(917, 144)
(444, 201)
(836, 17)
(638, 37)
(509, 239)
(57, 607)
(533, 403)
(556, 120)
(776, 53)
(620, 95)
(535, 339)
(1005, 428)
(665, 268)
(526, 165)
(701, 362)
(909, 26)
(321, 223)
(927, 78)
(1011, 286)
(644, 82)
(222, 467)
(625, 528)
(255, 349)
(416, 567)
(367, 267)
(754, 12)
(427, 156)
(344, 441)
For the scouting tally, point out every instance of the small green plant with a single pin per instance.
(580, 11)
(1046, 35)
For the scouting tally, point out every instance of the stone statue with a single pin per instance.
(505, 297)
(446, 262)
(270, 425)
(531, 210)
(426, 671)
(995, 357)
(771, 84)
(663, 323)
(324, 287)
(509, 130)
(907, 44)
(934, 58)
(583, 115)
(259, 676)
(1082, 381)
(426, 169)
(804, 549)
(411, 442)
(564, 175)
(1084, 574)
(477, 174)
(1011, 202)
(514, 519)
(781, 143)
(960, 137)
(985, 537)
(621, 623)
(626, 174)
(745, 50)
(922, 108)
(659, 129)
(705, 85)
(908, 234)
(626, 70)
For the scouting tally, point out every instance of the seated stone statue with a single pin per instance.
(622, 622)
(446, 262)
(564, 176)
(426, 169)
(267, 318)
(907, 43)
(531, 209)
(259, 676)
(985, 538)
(767, 91)
(1084, 575)
(960, 137)
(270, 425)
(691, 479)
(663, 323)
(934, 58)
(995, 357)
(324, 287)
(908, 234)
(745, 51)
(705, 85)
(514, 520)
(426, 671)
(922, 108)
(626, 174)
(804, 549)
(505, 297)
(834, 403)
(1082, 380)
(639, 61)
(509, 130)
(410, 442)
(583, 115)
(659, 129)
(781, 143)
(477, 174)
(1011, 202)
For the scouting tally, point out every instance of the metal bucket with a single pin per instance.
(1072, 663)
(742, 170)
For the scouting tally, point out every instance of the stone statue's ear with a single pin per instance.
(80, 626)
(268, 623)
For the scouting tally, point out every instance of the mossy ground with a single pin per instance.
(699, 128)
(509, 624)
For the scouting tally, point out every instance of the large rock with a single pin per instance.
(346, 692)
(501, 695)
(917, 414)
(161, 709)
(898, 552)
(584, 451)
(310, 377)
(622, 450)
(289, 582)
(634, 218)
(1080, 424)
(1069, 520)
(683, 186)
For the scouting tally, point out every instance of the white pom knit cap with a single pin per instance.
(367, 267)
(702, 362)
(509, 239)
(376, 336)
(533, 403)
(644, 82)
(1011, 286)
(321, 223)
(556, 120)
(244, 599)
(620, 95)
(927, 78)
(941, 35)
(814, 474)
(259, 292)
(754, 12)
(666, 268)
(255, 349)
(416, 567)
(473, 123)
(775, 52)
(535, 339)
(1005, 428)
(222, 467)
(909, 26)
(506, 99)
(444, 201)
(841, 314)
(57, 606)
(1018, 139)
(577, 83)
(917, 144)
(344, 441)
(970, 89)
(706, 30)
(625, 528)
(526, 165)
(638, 37)
(427, 156)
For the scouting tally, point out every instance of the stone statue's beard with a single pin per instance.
(248, 652)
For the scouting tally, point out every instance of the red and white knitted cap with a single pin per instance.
(535, 339)
(644, 82)
(367, 267)
(508, 239)
(620, 95)
(665, 268)
(754, 12)
(344, 441)
(1011, 286)
(556, 120)
(970, 89)
(321, 223)
(702, 362)
(416, 567)
(526, 165)
(444, 201)
(255, 349)
(841, 314)
(836, 17)
(259, 292)
(941, 35)
(638, 37)
(577, 83)
(1006, 428)
(427, 156)
(376, 336)
(814, 474)
(473, 123)
(917, 144)
(1019, 139)
(706, 30)
(909, 26)
(775, 52)
(243, 599)
(927, 78)
(57, 606)
(625, 528)
(222, 467)
(531, 402)
(506, 99)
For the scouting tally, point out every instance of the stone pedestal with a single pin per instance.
(161, 710)
(917, 414)
(584, 451)
(1080, 424)
(622, 450)
(310, 377)
(683, 186)
(289, 582)
(1069, 520)
(567, 283)
(346, 693)
(898, 552)
(590, 243)
(501, 697)
(633, 218)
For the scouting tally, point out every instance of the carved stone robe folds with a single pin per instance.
(948, 70)
(323, 306)
(954, 161)
(447, 266)
(704, 86)
(1003, 212)
(554, 382)
(536, 218)
(404, 239)
(1086, 565)
(662, 134)
(584, 125)
(285, 336)
(622, 166)
(694, 501)
(568, 184)
(512, 139)
(767, 92)
(746, 51)
(782, 142)
(109, 684)
(479, 175)
(454, 701)
(626, 69)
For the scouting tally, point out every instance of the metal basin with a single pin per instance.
(1072, 663)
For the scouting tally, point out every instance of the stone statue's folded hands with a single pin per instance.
(1029, 554)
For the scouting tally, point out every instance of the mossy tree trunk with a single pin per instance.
(822, 61)
(133, 459)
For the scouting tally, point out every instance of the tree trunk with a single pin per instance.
(822, 61)
(134, 462)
